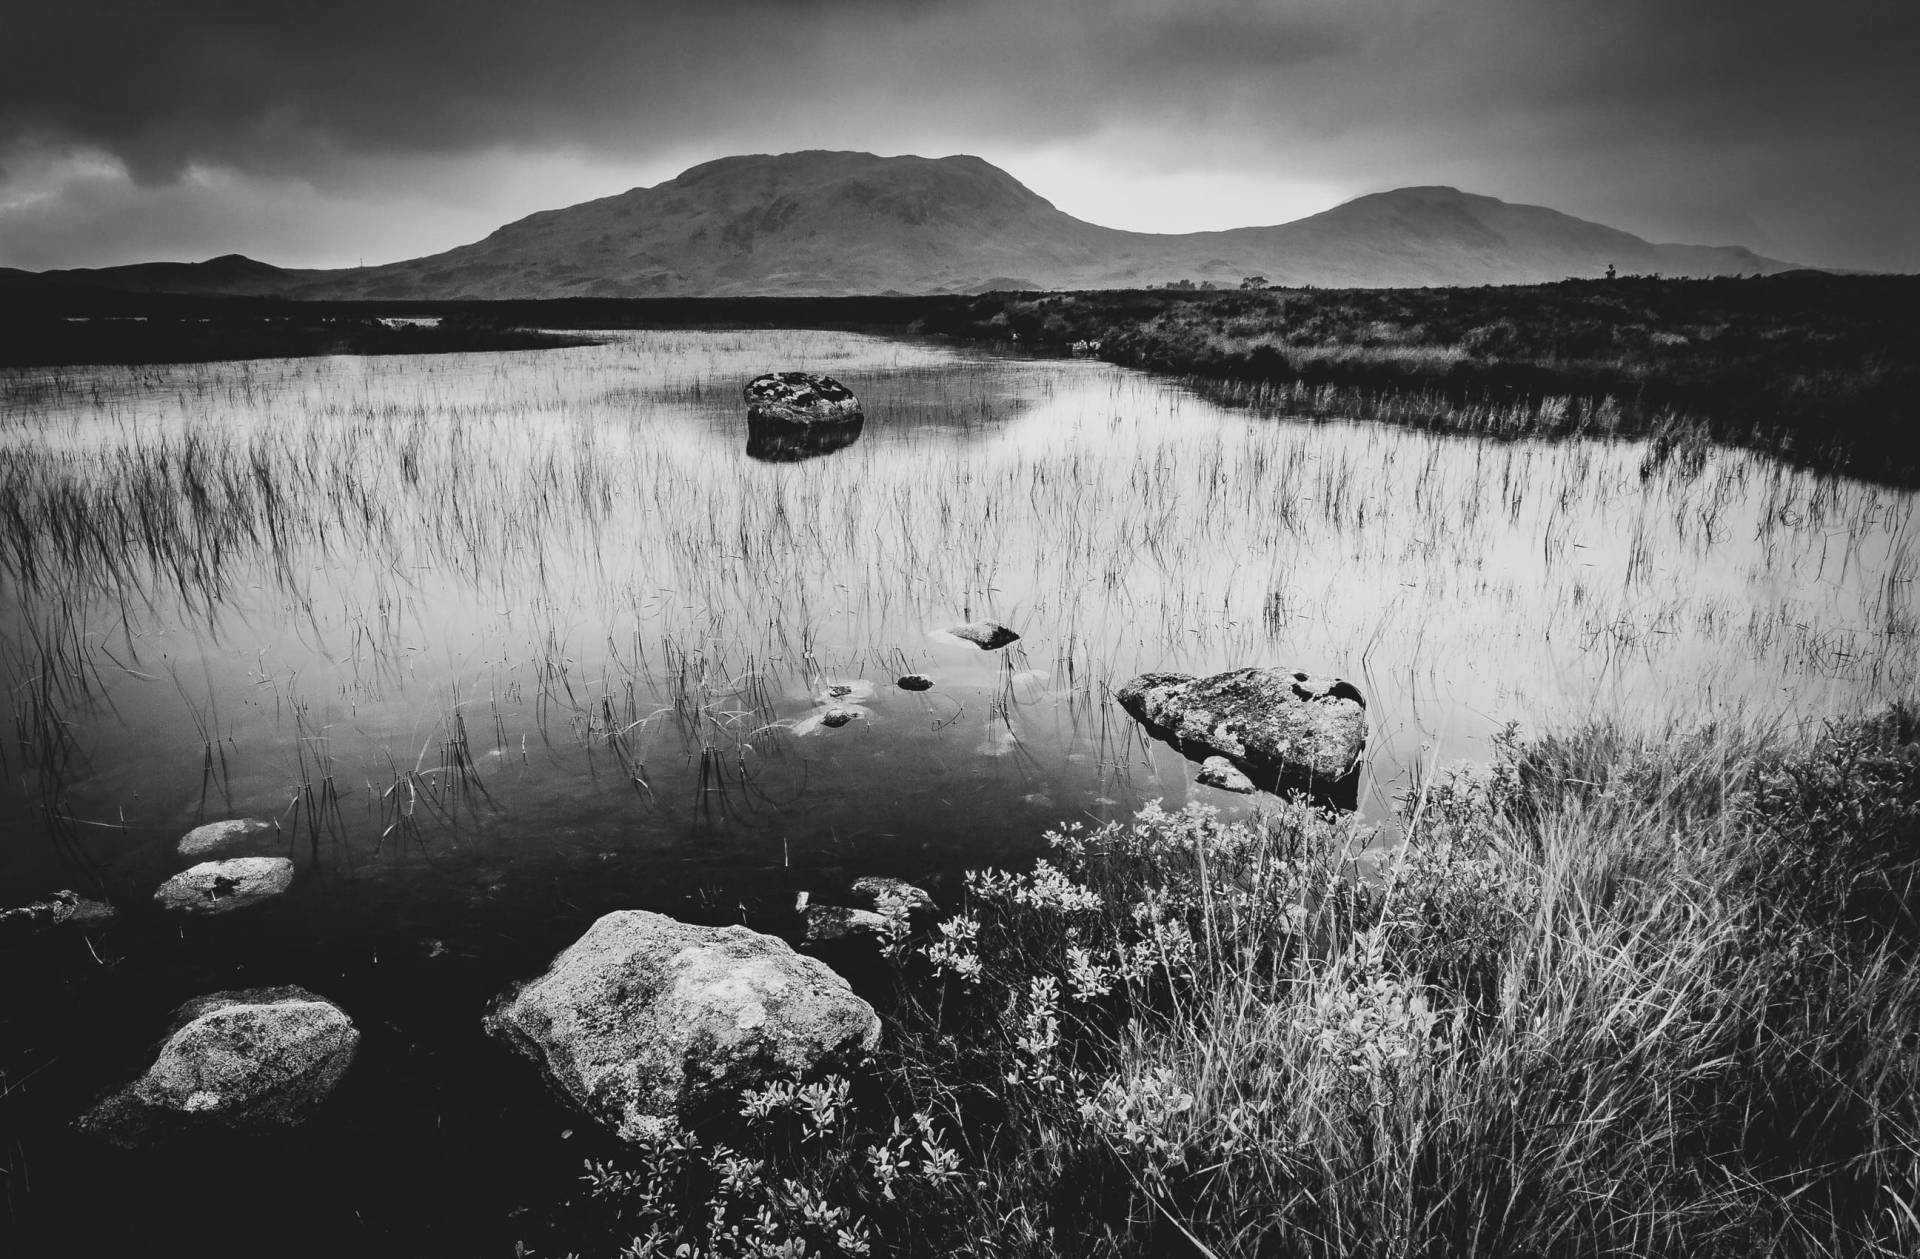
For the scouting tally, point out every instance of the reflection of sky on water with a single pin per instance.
(533, 605)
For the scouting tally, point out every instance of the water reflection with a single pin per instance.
(537, 610)
(783, 441)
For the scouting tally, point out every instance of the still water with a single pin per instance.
(501, 642)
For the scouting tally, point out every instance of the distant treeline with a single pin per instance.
(1822, 369)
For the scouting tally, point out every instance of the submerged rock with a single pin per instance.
(876, 888)
(63, 908)
(646, 1020)
(217, 838)
(986, 635)
(1218, 771)
(217, 887)
(915, 682)
(831, 717)
(844, 693)
(260, 1057)
(821, 923)
(1282, 729)
(800, 398)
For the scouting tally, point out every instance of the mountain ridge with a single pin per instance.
(833, 223)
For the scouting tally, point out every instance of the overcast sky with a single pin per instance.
(325, 134)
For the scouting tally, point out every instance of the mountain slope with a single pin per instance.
(826, 223)
(1441, 236)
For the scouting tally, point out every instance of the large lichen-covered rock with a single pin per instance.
(219, 887)
(800, 398)
(1283, 729)
(646, 1021)
(255, 1058)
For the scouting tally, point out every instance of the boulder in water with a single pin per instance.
(1283, 729)
(255, 1058)
(218, 887)
(800, 398)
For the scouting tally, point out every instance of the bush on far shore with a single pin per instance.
(1611, 996)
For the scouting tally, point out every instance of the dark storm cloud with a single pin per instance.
(1783, 114)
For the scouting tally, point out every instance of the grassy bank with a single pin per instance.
(1611, 997)
(1820, 369)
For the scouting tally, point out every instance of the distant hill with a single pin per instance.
(824, 223)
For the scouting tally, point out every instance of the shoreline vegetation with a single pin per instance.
(1613, 996)
(1817, 369)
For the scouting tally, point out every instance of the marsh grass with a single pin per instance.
(1613, 996)
(576, 536)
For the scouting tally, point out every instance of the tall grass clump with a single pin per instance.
(1614, 995)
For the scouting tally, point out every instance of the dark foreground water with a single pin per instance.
(503, 642)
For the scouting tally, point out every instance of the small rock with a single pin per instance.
(822, 923)
(874, 888)
(1218, 771)
(986, 635)
(829, 718)
(645, 1021)
(853, 692)
(915, 682)
(216, 838)
(218, 887)
(260, 1057)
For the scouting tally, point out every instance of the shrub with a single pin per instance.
(1609, 996)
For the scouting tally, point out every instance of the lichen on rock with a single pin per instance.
(247, 1059)
(646, 1020)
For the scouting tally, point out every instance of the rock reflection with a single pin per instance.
(781, 441)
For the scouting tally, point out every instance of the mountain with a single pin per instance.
(824, 223)
(229, 274)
